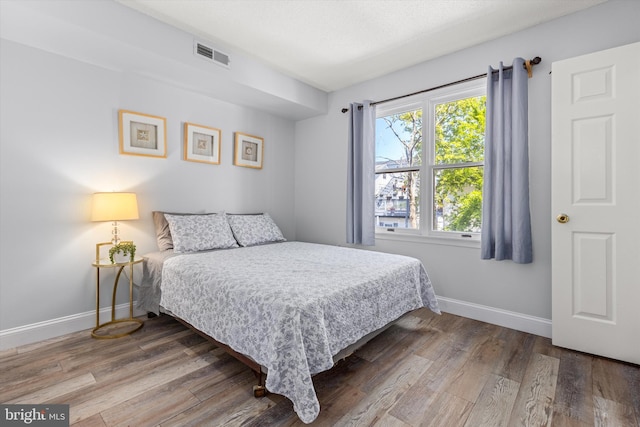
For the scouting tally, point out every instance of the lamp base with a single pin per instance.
(115, 239)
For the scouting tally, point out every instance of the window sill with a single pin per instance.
(429, 240)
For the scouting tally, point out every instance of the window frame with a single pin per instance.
(427, 102)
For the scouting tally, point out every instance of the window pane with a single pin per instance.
(459, 133)
(398, 200)
(399, 140)
(458, 199)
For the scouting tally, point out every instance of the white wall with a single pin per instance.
(456, 272)
(59, 144)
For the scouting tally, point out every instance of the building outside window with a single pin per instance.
(429, 163)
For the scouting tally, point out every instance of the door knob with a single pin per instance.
(562, 218)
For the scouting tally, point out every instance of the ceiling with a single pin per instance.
(332, 44)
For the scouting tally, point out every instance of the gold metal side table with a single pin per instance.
(131, 324)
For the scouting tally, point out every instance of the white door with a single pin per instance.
(596, 186)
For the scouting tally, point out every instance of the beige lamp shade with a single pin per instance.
(114, 207)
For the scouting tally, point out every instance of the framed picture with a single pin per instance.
(142, 134)
(201, 144)
(248, 151)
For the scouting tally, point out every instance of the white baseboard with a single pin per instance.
(40, 331)
(28, 334)
(508, 319)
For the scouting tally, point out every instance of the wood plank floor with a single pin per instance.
(427, 370)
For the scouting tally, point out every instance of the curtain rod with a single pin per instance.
(528, 64)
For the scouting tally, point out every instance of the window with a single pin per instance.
(429, 161)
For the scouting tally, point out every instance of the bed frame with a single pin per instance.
(260, 390)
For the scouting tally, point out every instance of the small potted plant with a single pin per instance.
(127, 249)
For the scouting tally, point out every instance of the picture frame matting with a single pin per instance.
(249, 150)
(202, 144)
(142, 134)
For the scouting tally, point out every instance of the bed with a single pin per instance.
(290, 307)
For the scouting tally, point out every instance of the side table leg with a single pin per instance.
(113, 297)
(97, 297)
(130, 291)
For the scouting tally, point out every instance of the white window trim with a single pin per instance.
(427, 102)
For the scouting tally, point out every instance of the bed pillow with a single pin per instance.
(163, 232)
(251, 230)
(193, 233)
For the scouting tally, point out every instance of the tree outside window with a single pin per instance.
(457, 169)
(398, 162)
(446, 153)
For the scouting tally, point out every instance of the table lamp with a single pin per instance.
(114, 207)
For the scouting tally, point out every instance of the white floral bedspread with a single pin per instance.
(291, 306)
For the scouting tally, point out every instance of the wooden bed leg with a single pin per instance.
(259, 390)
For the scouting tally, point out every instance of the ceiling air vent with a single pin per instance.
(210, 54)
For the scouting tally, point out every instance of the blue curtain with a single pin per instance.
(506, 220)
(360, 179)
